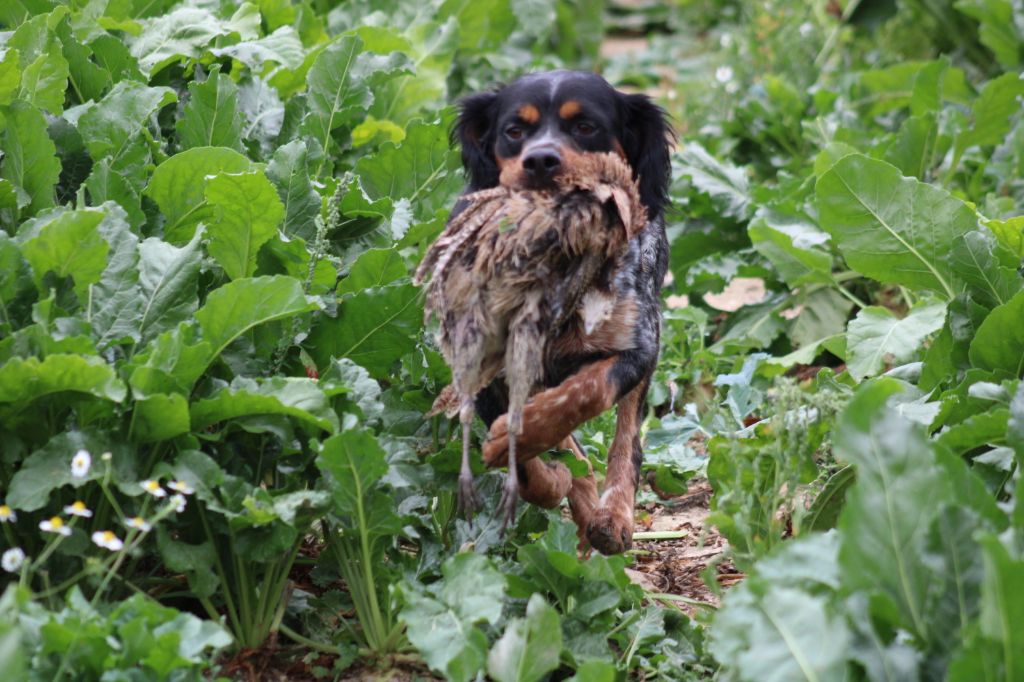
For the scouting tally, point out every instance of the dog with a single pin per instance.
(522, 136)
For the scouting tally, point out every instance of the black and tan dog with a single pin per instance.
(523, 136)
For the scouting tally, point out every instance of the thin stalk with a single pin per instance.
(229, 602)
(307, 642)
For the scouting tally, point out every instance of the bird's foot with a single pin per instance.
(507, 505)
(468, 501)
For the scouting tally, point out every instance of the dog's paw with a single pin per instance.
(610, 532)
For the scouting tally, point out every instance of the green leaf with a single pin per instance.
(288, 396)
(1002, 605)
(24, 380)
(194, 561)
(44, 70)
(876, 336)
(891, 228)
(374, 328)
(355, 462)
(238, 306)
(112, 128)
(422, 169)
(160, 416)
(116, 301)
(283, 47)
(184, 33)
(69, 244)
(10, 75)
(999, 341)
(443, 628)
(289, 171)
(726, 184)
(30, 157)
(824, 511)
(246, 213)
(900, 488)
(167, 280)
(993, 111)
(211, 117)
(339, 87)
(373, 268)
(796, 247)
(178, 186)
(997, 31)
(530, 647)
(1009, 234)
(482, 27)
(976, 261)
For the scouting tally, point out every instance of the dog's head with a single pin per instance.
(526, 133)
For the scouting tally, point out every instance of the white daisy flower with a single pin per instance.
(78, 509)
(7, 514)
(55, 525)
(13, 559)
(153, 488)
(806, 29)
(181, 487)
(81, 463)
(107, 540)
(724, 74)
(179, 502)
(139, 523)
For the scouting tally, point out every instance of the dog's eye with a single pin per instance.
(514, 133)
(585, 128)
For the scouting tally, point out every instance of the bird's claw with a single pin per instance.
(507, 504)
(468, 501)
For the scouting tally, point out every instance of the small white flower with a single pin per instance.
(107, 540)
(806, 29)
(7, 514)
(181, 487)
(724, 74)
(55, 525)
(139, 523)
(78, 509)
(81, 463)
(106, 456)
(179, 502)
(13, 559)
(153, 488)
(732, 87)
(726, 40)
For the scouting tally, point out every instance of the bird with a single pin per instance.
(512, 268)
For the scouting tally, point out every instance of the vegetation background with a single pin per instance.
(214, 372)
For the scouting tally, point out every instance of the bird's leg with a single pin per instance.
(467, 494)
(510, 493)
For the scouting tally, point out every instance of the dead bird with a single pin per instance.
(510, 270)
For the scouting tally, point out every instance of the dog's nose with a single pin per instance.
(543, 163)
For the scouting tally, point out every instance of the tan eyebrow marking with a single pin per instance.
(529, 113)
(569, 109)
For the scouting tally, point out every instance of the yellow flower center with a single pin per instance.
(5, 510)
(152, 485)
(108, 536)
(56, 522)
(78, 506)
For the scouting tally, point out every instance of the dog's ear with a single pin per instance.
(647, 139)
(474, 131)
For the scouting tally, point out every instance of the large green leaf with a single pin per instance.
(899, 491)
(237, 307)
(186, 33)
(726, 184)
(994, 111)
(876, 336)
(374, 328)
(211, 117)
(111, 129)
(530, 647)
(355, 461)
(44, 70)
(116, 301)
(796, 247)
(422, 169)
(998, 31)
(30, 157)
(68, 244)
(245, 214)
(160, 416)
(991, 279)
(1002, 605)
(289, 171)
(23, 380)
(178, 186)
(893, 229)
(167, 280)
(373, 268)
(999, 341)
(288, 396)
(442, 625)
(339, 89)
